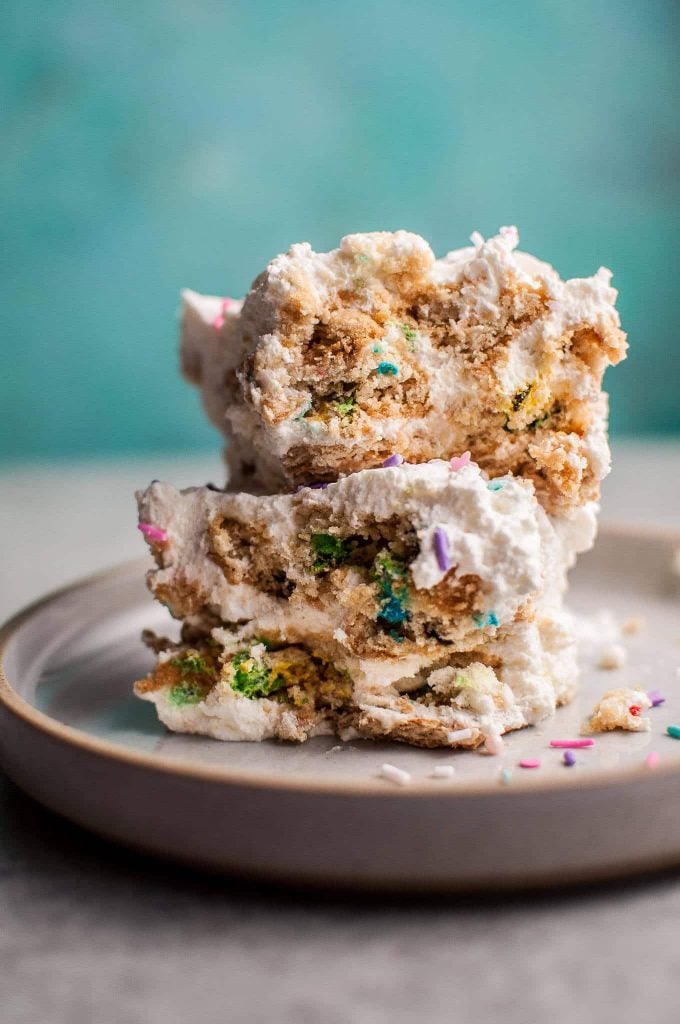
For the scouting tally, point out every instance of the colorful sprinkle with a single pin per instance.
(460, 461)
(572, 744)
(652, 759)
(569, 759)
(481, 619)
(218, 322)
(674, 731)
(154, 533)
(441, 549)
(506, 776)
(634, 710)
(656, 698)
(530, 762)
(387, 369)
(393, 460)
(495, 485)
(458, 735)
(443, 771)
(394, 774)
(493, 743)
(378, 349)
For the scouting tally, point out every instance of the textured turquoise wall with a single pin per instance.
(158, 143)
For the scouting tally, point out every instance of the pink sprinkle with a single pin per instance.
(656, 698)
(572, 744)
(652, 759)
(153, 532)
(493, 743)
(441, 549)
(460, 461)
(225, 304)
(530, 762)
(393, 460)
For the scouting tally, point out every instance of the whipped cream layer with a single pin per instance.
(466, 528)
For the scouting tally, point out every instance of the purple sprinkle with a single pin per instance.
(318, 487)
(441, 549)
(393, 460)
(656, 698)
(569, 758)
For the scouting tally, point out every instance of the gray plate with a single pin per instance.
(73, 736)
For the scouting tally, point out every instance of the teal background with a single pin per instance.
(149, 145)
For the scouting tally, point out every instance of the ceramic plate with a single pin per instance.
(73, 736)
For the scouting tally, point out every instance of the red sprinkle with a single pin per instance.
(572, 744)
(530, 762)
(635, 710)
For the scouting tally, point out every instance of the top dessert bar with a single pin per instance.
(334, 361)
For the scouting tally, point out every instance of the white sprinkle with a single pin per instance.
(493, 743)
(633, 624)
(388, 771)
(506, 776)
(339, 635)
(459, 734)
(443, 771)
(613, 656)
(335, 750)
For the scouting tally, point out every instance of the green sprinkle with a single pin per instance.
(188, 663)
(345, 406)
(539, 421)
(387, 369)
(186, 693)
(253, 679)
(408, 332)
(674, 731)
(330, 551)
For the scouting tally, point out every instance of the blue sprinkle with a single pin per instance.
(387, 369)
(496, 485)
(481, 620)
(393, 612)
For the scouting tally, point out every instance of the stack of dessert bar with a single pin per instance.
(415, 448)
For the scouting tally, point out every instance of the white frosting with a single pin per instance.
(538, 668)
(503, 537)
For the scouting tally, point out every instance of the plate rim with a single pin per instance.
(371, 786)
